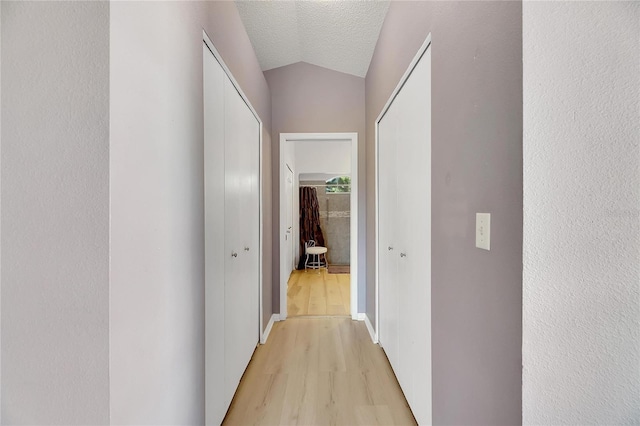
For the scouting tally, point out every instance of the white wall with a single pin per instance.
(102, 138)
(157, 312)
(157, 200)
(319, 176)
(55, 213)
(581, 254)
(323, 156)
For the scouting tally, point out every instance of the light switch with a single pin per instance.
(483, 230)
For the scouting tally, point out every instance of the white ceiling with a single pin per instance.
(339, 35)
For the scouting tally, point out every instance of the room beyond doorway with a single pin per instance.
(318, 293)
(326, 145)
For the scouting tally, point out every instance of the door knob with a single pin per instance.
(246, 249)
(403, 254)
(234, 254)
(390, 248)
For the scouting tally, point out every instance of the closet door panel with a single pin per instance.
(253, 127)
(234, 301)
(414, 201)
(419, 241)
(250, 222)
(406, 327)
(232, 236)
(388, 258)
(405, 225)
(214, 190)
(242, 235)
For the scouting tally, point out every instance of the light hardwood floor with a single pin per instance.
(318, 293)
(319, 371)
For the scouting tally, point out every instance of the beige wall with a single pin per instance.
(307, 98)
(476, 167)
(157, 201)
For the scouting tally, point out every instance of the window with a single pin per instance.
(339, 184)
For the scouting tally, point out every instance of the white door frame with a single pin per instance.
(395, 92)
(289, 246)
(284, 268)
(218, 57)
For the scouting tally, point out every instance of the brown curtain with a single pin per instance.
(309, 220)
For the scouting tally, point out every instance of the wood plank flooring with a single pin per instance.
(319, 371)
(318, 293)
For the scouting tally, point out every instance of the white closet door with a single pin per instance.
(253, 127)
(404, 228)
(414, 234)
(242, 236)
(214, 190)
(250, 222)
(232, 236)
(388, 256)
(405, 224)
(235, 284)
(418, 274)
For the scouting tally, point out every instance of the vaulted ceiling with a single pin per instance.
(339, 35)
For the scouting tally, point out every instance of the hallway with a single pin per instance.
(319, 371)
(143, 254)
(318, 293)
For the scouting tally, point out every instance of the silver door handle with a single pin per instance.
(390, 248)
(234, 254)
(403, 254)
(246, 249)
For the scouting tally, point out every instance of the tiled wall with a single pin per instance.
(335, 221)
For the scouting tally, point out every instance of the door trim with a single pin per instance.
(354, 254)
(290, 245)
(387, 105)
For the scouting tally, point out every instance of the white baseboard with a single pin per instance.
(372, 333)
(361, 317)
(265, 335)
(367, 322)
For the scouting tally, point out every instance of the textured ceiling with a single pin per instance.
(339, 35)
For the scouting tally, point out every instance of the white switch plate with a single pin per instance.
(483, 230)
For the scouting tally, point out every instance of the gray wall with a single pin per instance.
(0, 212)
(335, 222)
(55, 213)
(157, 251)
(581, 351)
(476, 167)
(307, 98)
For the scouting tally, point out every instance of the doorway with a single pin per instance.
(326, 145)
